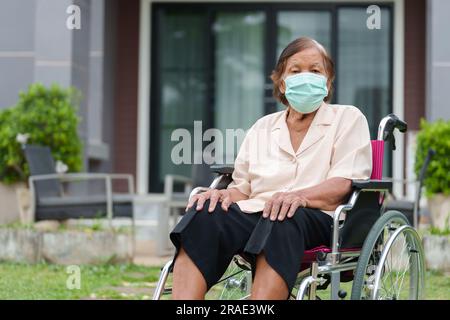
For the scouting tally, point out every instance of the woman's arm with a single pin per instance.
(325, 196)
(236, 195)
(328, 194)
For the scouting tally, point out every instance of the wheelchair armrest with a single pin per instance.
(222, 168)
(372, 185)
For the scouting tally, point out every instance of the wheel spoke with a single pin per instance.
(396, 263)
(397, 266)
(404, 272)
(401, 283)
(232, 286)
(390, 270)
(397, 258)
(384, 287)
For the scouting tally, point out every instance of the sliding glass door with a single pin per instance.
(315, 24)
(212, 62)
(238, 73)
(180, 87)
(364, 67)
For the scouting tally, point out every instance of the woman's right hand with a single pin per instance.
(214, 196)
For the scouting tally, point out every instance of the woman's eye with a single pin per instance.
(295, 71)
(316, 71)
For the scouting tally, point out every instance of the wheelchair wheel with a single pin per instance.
(391, 264)
(234, 285)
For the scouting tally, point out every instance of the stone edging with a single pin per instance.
(68, 247)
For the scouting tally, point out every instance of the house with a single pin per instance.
(148, 67)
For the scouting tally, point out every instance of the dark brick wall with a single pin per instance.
(126, 87)
(415, 47)
(415, 72)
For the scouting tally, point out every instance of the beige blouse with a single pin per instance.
(337, 144)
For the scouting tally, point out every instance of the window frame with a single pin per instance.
(271, 10)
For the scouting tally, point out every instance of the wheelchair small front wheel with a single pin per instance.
(235, 284)
(391, 264)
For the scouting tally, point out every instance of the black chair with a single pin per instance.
(62, 196)
(177, 190)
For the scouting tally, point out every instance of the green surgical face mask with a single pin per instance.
(305, 91)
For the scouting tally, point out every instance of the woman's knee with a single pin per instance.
(285, 230)
(204, 212)
(203, 219)
(205, 207)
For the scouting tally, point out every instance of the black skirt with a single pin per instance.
(212, 239)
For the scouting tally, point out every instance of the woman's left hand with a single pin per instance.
(283, 204)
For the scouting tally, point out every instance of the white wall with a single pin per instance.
(438, 60)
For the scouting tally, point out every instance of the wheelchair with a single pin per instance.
(379, 251)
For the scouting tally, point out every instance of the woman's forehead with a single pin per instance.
(310, 56)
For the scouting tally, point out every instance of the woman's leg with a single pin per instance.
(206, 243)
(192, 287)
(267, 284)
(278, 247)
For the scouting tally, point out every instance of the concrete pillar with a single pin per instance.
(17, 21)
(438, 60)
(62, 54)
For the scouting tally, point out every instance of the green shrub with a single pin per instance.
(436, 136)
(440, 232)
(49, 117)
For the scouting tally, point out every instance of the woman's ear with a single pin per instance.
(282, 86)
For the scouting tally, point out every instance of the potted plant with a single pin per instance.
(42, 116)
(436, 135)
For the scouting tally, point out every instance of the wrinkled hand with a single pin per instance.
(283, 204)
(214, 196)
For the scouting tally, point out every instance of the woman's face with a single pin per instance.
(308, 60)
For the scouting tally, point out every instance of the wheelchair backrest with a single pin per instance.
(368, 207)
(360, 220)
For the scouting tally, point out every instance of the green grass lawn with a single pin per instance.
(44, 281)
(437, 287)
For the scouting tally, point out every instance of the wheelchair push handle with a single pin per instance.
(387, 126)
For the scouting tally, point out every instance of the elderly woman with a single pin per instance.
(293, 169)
